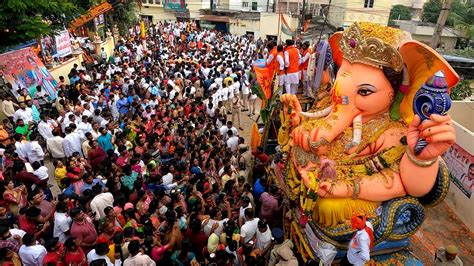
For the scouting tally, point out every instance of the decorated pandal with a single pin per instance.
(358, 151)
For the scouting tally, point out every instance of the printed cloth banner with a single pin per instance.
(23, 69)
(57, 46)
(63, 44)
(461, 168)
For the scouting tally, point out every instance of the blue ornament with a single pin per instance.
(431, 98)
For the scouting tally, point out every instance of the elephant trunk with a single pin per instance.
(337, 123)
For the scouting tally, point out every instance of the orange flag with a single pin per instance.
(264, 78)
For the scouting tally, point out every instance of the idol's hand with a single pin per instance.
(291, 106)
(438, 132)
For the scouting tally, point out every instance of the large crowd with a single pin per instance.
(150, 166)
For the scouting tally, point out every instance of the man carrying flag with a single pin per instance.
(292, 67)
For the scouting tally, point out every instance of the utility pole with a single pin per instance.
(443, 15)
(303, 16)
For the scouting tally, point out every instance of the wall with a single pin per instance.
(240, 27)
(269, 25)
(108, 46)
(346, 12)
(461, 112)
(63, 69)
(447, 43)
(157, 11)
(456, 200)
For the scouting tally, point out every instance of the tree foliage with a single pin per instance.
(124, 15)
(461, 15)
(400, 12)
(26, 20)
(461, 91)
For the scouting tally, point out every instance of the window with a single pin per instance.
(245, 4)
(254, 6)
(369, 3)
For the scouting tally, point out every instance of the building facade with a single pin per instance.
(342, 13)
(416, 7)
(423, 32)
(313, 7)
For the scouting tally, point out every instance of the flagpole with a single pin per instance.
(279, 28)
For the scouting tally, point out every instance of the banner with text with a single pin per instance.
(461, 168)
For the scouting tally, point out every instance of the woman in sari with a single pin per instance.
(15, 197)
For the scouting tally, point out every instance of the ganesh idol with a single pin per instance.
(361, 155)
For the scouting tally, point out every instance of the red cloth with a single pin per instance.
(77, 259)
(96, 157)
(27, 225)
(54, 257)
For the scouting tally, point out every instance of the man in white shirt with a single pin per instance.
(34, 151)
(136, 257)
(358, 252)
(263, 237)
(167, 179)
(245, 204)
(8, 106)
(215, 218)
(72, 142)
(68, 119)
(62, 222)
(46, 126)
(100, 201)
(232, 141)
(249, 228)
(30, 253)
(84, 126)
(100, 253)
(25, 113)
(55, 146)
(223, 130)
(20, 147)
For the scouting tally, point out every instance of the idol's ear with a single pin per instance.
(334, 42)
(422, 62)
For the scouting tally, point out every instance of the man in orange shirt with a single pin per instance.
(292, 67)
(304, 61)
(271, 57)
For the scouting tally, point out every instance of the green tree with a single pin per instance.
(461, 15)
(124, 15)
(26, 20)
(400, 12)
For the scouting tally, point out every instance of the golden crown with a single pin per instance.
(367, 46)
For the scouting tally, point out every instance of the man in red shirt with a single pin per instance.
(55, 251)
(83, 229)
(261, 160)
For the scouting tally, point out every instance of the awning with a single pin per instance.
(214, 18)
(90, 15)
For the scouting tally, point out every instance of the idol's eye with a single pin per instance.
(366, 89)
(364, 92)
